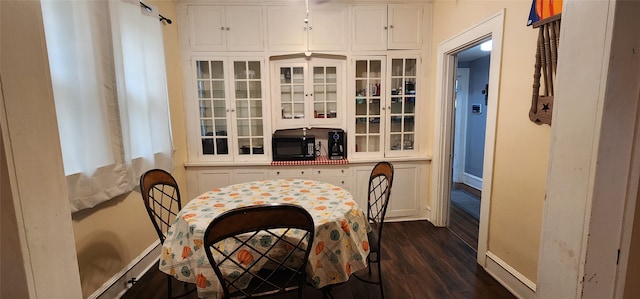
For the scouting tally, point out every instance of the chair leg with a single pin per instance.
(380, 279)
(170, 293)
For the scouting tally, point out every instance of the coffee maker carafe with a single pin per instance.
(337, 144)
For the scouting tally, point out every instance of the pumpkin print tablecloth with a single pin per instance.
(340, 245)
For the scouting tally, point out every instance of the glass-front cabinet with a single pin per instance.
(231, 109)
(384, 106)
(308, 93)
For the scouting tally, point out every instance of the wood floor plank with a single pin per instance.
(418, 261)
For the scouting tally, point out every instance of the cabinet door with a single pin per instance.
(405, 23)
(290, 95)
(213, 111)
(369, 27)
(248, 175)
(401, 108)
(248, 110)
(211, 179)
(290, 173)
(338, 176)
(309, 93)
(367, 120)
(286, 28)
(404, 192)
(325, 93)
(244, 28)
(328, 28)
(207, 28)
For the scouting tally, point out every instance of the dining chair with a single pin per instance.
(161, 198)
(380, 181)
(259, 256)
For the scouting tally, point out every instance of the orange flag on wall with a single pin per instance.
(542, 9)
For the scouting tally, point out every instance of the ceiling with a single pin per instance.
(471, 54)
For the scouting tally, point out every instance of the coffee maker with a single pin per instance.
(337, 144)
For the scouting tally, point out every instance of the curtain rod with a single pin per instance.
(162, 18)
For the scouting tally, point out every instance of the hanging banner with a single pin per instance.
(542, 9)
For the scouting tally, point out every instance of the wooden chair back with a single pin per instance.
(265, 258)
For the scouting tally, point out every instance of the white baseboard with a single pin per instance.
(472, 180)
(118, 284)
(511, 279)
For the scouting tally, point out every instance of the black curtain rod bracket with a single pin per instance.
(162, 18)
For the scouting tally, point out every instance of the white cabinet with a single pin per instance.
(225, 28)
(382, 27)
(308, 93)
(328, 27)
(203, 180)
(408, 193)
(229, 109)
(383, 108)
(337, 175)
(291, 28)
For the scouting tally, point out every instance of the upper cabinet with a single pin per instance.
(308, 93)
(322, 28)
(383, 117)
(225, 28)
(383, 27)
(231, 107)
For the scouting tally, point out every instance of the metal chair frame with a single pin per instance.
(380, 182)
(161, 197)
(250, 225)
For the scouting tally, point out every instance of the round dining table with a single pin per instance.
(339, 248)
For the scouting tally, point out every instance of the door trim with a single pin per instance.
(460, 127)
(492, 27)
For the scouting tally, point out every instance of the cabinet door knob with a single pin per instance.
(318, 171)
(222, 28)
(390, 26)
(385, 28)
(301, 172)
(310, 28)
(227, 28)
(277, 172)
(233, 110)
(342, 182)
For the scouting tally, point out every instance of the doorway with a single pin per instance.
(470, 111)
(442, 163)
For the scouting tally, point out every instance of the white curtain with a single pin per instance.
(109, 82)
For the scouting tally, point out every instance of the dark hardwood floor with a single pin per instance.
(464, 226)
(462, 223)
(418, 261)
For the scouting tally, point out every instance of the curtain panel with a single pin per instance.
(108, 73)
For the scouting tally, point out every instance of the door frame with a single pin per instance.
(460, 127)
(492, 28)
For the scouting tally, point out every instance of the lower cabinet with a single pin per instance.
(337, 175)
(408, 198)
(408, 194)
(202, 180)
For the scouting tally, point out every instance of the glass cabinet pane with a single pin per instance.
(325, 98)
(292, 92)
(231, 121)
(248, 104)
(212, 105)
(402, 104)
(368, 105)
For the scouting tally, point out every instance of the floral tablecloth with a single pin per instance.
(339, 248)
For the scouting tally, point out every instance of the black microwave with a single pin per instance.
(293, 148)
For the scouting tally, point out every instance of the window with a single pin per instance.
(109, 82)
